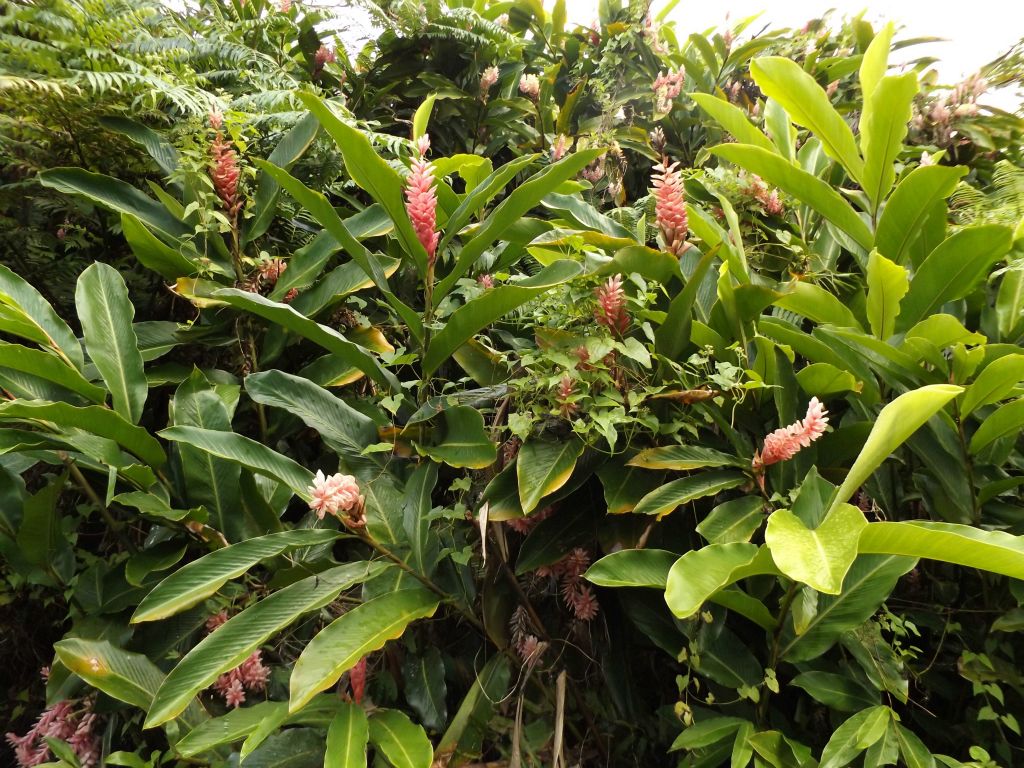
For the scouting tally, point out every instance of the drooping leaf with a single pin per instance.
(347, 738)
(732, 521)
(463, 440)
(1005, 420)
(994, 383)
(683, 457)
(543, 467)
(425, 687)
(836, 691)
(403, 742)
(820, 557)
(48, 366)
(733, 119)
(28, 315)
(632, 568)
(665, 499)
(700, 573)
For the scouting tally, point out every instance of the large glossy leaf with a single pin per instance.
(1005, 420)
(91, 418)
(347, 738)
(230, 727)
(624, 485)
(868, 583)
(820, 557)
(28, 315)
(116, 195)
(363, 629)
(194, 582)
(953, 270)
(162, 151)
(462, 441)
(425, 688)
(291, 748)
(233, 642)
(543, 467)
(875, 61)
(683, 457)
(808, 105)
(673, 336)
(836, 691)
(993, 551)
(684, 490)
(287, 152)
(700, 573)
(733, 119)
(152, 253)
(817, 304)
(50, 367)
(632, 568)
(403, 742)
(805, 187)
(479, 313)
(846, 743)
(733, 520)
(883, 127)
(994, 383)
(249, 453)
(910, 206)
(106, 314)
(511, 210)
(887, 283)
(897, 421)
(328, 338)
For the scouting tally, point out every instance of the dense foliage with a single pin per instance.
(508, 393)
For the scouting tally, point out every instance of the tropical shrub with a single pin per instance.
(689, 435)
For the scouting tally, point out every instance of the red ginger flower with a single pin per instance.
(225, 174)
(421, 202)
(324, 55)
(357, 680)
(611, 309)
(670, 207)
(784, 443)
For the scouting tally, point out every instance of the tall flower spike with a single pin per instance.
(670, 207)
(559, 147)
(488, 78)
(225, 174)
(784, 443)
(421, 201)
(611, 305)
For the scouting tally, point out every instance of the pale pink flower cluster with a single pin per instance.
(324, 55)
(559, 147)
(251, 675)
(576, 593)
(527, 644)
(611, 305)
(529, 86)
(670, 206)
(784, 443)
(769, 198)
(667, 86)
(593, 172)
(485, 280)
(566, 389)
(336, 494)
(421, 200)
(487, 79)
(285, 6)
(61, 721)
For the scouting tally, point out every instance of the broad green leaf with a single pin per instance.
(157, 558)
(347, 737)
(868, 583)
(805, 187)
(625, 485)
(706, 732)
(340, 282)
(1005, 420)
(40, 539)
(543, 467)
(518, 203)
(464, 737)
(48, 366)
(25, 313)
(915, 753)
(106, 314)
(844, 744)
(700, 573)
(196, 581)
(836, 691)
(820, 557)
(425, 689)
(997, 380)
(897, 421)
(162, 151)
(683, 457)
(249, 453)
(815, 303)
(992, 551)
(665, 499)
(910, 205)
(462, 442)
(372, 173)
(292, 146)
(422, 116)
(1010, 302)
(328, 338)
(232, 643)
(953, 270)
(632, 568)
(822, 380)
(291, 748)
(116, 195)
(733, 119)
(479, 313)
(883, 127)
(90, 418)
(361, 630)
(808, 105)
(150, 505)
(875, 61)
(403, 742)
(249, 721)
(673, 336)
(154, 254)
(733, 521)
(887, 283)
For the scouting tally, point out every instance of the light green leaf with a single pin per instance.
(820, 557)
(897, 421)
(1005, 420)
(915, 753)
(196, 581)
(347, 737)
(883, 127)
(696, 576)
(403, 742)
(733, 119)
(733, 520)
(422, 116)
(153, 253)
(106, 314)
(844, 746)
(363, 629)
(875, 61)
(683, 457)
(994, 383)
(50, 367)
(910, 205)
(888, 283)
(706, 732)
(815, 303)
(632, 568)
(25, 313)
(543, 467)
(463, 441)
(684, 490)
(823, 379)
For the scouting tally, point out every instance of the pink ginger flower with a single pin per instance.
(559, 147)
(784, 443)
(611, 305)
(251, 675)
(216, 119)
(529, 86)
(423, 145)
(324, 55)
(335, 494)
(421, 205)
(234, 693)
(285, 6)
(530, 646)
(580, 598)
(60, 721)
(225, 174)
(667, 86)
(216, 621)
(670, 207)
(485, 280)
(565, 391)
(593, 172)
(487, 79)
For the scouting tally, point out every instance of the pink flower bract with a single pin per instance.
(670, 207)
(784, 443)
(611, 305)
(421, 204)
(335, 494)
